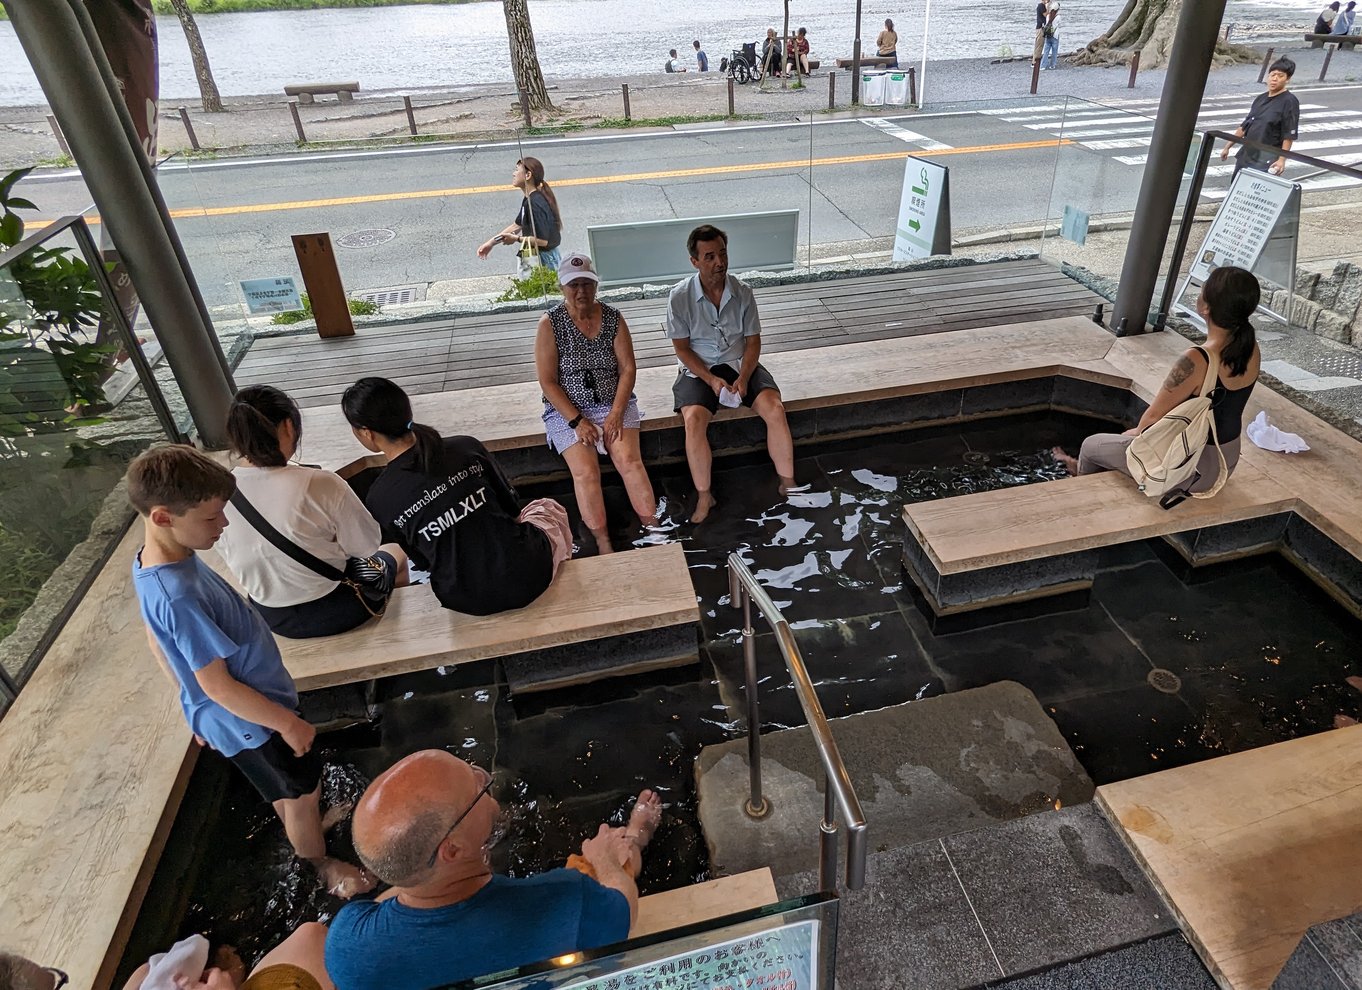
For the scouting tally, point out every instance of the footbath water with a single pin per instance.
(568, 759)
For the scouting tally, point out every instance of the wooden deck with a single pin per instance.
(485, 350)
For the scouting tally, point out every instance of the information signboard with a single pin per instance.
(924, 223)
(1245, 221)
(271, 295)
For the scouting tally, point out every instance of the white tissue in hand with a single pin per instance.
(1267, 436)
(729, 397)
(186, 958)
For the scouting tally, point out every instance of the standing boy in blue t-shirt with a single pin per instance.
(234, 690)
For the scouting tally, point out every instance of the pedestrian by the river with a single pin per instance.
(1273, 119)
(673, 63)
(1042, 13)
(1050, 60)
(1324, 23)
(887, 44)
(538, 221)
(701, 59)
(1344, 24)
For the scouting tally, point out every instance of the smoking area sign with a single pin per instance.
(923, 227)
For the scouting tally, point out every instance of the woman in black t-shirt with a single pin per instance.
(446, 502)
(538, 217)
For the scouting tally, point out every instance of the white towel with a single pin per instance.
(1267, 436)
(186, 958)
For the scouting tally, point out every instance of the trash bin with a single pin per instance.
(872, 88)
(896, 88)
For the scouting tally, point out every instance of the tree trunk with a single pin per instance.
(208, 89)
(1148, 26)
(785, 49)
(529, 78)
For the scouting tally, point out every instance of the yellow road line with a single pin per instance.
(680, 173)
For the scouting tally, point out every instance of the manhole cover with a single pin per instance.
(1164, 680)
(366, 238)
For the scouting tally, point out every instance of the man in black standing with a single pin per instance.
(1273, 120)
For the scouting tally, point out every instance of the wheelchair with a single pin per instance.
(741, 64)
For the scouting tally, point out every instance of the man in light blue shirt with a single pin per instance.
(713, 324)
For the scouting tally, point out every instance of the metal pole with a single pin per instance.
(922, 80)
(7, 685)
(624, 87)
(757, 805)
(1134, 68)
(1035, 77)
(189, 128)
(1267, 60)
(128, 202)
(856, 59)
(411, 114)
(1184, 230)
(1328, 54)
(1183, 87)
(827, 841)
(61, 138)
(832, 89)
(297, 121)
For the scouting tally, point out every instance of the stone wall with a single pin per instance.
(1329, 305)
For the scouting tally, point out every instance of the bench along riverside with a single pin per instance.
(1344, 41)
(308, 92)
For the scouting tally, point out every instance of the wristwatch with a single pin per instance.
(572, 423)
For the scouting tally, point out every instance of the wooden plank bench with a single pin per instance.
(1344, 41)
(308, 92)
(866, 61)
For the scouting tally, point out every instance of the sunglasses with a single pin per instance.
(487, 786)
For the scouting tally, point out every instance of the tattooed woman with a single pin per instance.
(1227, 300)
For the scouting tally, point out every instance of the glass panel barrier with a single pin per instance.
(791, 945)
(77, 403)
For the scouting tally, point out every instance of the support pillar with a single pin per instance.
(1185, 84)
(74, 78)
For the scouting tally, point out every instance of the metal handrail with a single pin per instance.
(837, 790)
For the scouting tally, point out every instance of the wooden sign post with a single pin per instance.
(317, 262)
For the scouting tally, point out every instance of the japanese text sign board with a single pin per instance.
(1244, 223)
(271, 295)
(923, 227)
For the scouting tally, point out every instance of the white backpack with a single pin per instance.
(1164, 457)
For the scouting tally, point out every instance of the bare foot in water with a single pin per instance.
(704, 505)
(227, 959)
(343, 880)
(336, 814)
(643, 822)
(1070, 463)
(1342, 721)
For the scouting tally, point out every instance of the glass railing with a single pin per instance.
(792, 944)
(78, 400)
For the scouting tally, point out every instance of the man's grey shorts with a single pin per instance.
(690, 391)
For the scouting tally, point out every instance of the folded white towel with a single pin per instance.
(1267, 436)
(186, 958)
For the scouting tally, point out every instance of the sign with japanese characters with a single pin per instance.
(271, 295)
(1244, 224)
(923, 227)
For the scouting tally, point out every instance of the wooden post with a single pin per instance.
(1267, 60)
(317, 262)
(1328, 54)
(1035, 77)
(731, 111)
(297, 121)
(411, 116)
(525, 108)
(61, 138)
(1134, 68)
(624, 88)
(1228, 28)
(189, 128)
(832, 89)
(912, 85)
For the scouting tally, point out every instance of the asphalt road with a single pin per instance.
(1008, 167)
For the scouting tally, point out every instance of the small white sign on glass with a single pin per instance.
(271, 295)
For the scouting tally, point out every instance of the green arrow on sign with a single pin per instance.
(915, 225)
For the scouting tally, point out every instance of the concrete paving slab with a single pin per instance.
(921, 770)
(1165, 963)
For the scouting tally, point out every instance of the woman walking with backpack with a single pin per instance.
(1227, 300)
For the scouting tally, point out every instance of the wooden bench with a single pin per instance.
(704, 902)
(1344, 41)
(308, 92)
(654, 251)
(867, 61)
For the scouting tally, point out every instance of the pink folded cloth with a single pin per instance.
(552, 518)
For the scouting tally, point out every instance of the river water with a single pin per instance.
(448, 46)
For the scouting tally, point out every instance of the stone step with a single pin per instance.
(922, 770)
(1328, 958)
(977, 908)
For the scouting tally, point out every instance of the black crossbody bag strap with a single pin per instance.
(282, 543)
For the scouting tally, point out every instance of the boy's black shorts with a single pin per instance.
(276, 773)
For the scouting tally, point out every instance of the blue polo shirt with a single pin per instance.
(196, 617)
(508, 923)
(717, 334)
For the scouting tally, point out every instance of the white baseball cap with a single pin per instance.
(576, 266)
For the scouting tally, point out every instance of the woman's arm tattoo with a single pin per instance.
(1182, 370)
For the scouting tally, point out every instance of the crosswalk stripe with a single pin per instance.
(905, 135)
(1355, 142)
(1140, 142)
(1313, 183)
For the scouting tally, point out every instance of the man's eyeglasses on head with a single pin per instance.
(487, 779)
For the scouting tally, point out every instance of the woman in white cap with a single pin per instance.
(586, 367)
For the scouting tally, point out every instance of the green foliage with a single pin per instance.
(52, 369)
(358, 307)
(27, 566)
(539, 283)
(702, 118)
